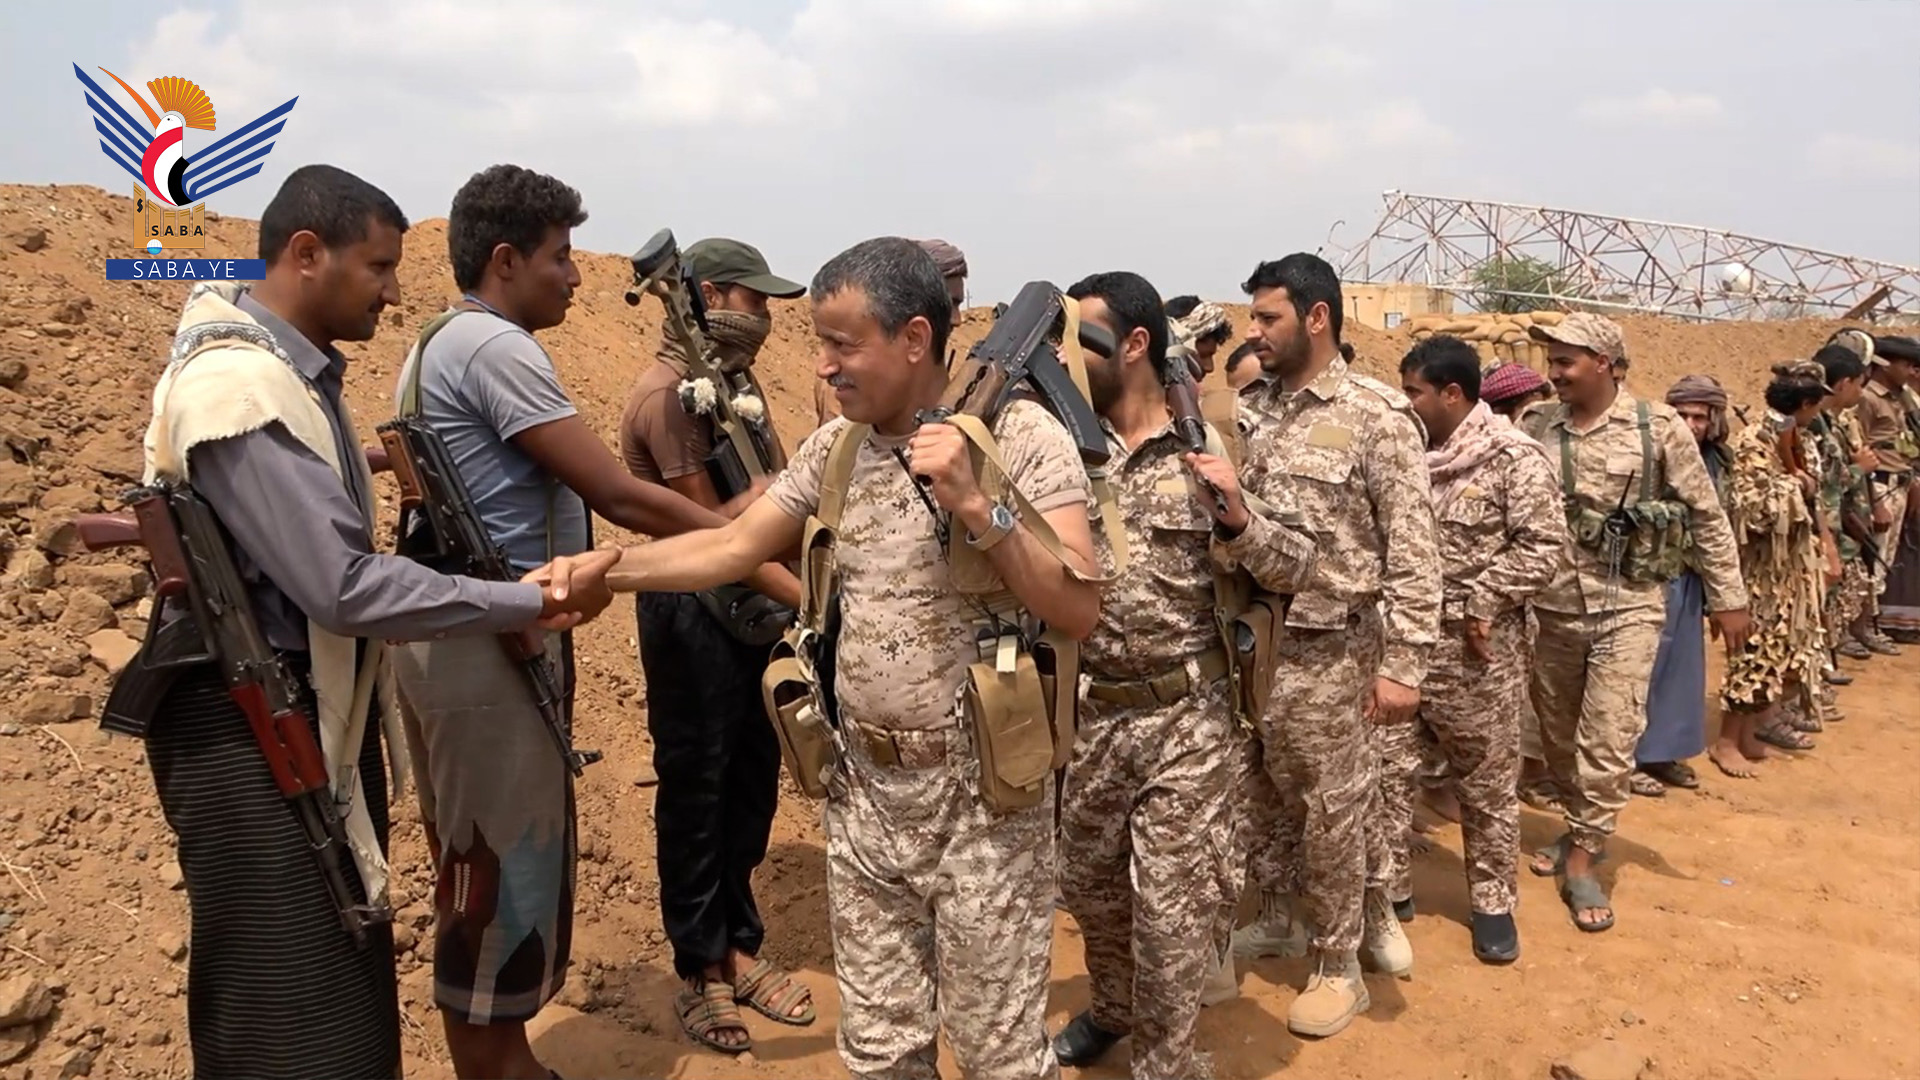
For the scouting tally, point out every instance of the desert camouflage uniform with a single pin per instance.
(1884, 422)
(1149, 809)
(941, 909)
(1351, 453)
(1598, 631)
(1501, 540)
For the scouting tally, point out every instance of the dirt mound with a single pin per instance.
(92, 915)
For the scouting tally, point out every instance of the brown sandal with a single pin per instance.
(773, 993)
(710, 1009)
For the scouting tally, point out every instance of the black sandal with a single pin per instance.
(1672, 773)
(1784, 737)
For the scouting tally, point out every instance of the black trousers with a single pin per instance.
(718, 761)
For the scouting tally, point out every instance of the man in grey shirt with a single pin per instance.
(275, 987)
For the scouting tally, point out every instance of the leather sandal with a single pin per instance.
(773, 993)
(1672, 773)
(710, 1009)
(1584, 893)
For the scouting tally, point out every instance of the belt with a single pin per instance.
(905, 749)
(1163, 689)
(1886, 475)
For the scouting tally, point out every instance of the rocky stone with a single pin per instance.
(112, 455)
(70, 499)
(86, 612)
(23, 437)
(117, 583)
(17, 1042)
(66, 667)
(16, 485)
(56, 330)
(172, 877)
(56, 536)
(32, 570)
(404, 937)
(11, 661)
(24, 999)
(73, 310)
(171, 945)
(1601, 1061)
(53, 707)
(111, 649)
(30, 239)
(77, 1063)
(13, 372)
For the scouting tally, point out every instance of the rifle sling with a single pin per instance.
(1104, 499)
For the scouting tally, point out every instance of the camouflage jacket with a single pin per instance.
(1349, 452)
(1844, 487)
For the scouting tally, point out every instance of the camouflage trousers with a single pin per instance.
(1589, 688)
(1847, 600)
(1146, 864)
(1470, 716)
(942, 916)
(1314, 791)
(1389, 827)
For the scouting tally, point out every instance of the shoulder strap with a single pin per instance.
(839, 472)
(1566, 464)
(410, 390)
(1644, 418)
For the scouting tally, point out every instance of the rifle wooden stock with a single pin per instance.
(400, 462)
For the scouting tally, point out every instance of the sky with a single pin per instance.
(1183, 139)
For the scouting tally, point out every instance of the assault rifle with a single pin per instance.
(1183, 400)
(191, 565)
(1021, 351)
(746, 448)
(440, 527)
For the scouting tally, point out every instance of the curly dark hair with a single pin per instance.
(505, 204)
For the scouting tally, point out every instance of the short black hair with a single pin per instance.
(1788, 394)
(1840, 362)
(1308, 279)
(505, 204)
(329, 202)
(1135, 305)
(901, 281)
(1240, 352)
(1443, 359)
(1182, 306)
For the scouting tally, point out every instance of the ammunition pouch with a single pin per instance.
(748, 616)
(1012, 727)
(793, 701)
(1255, 635)
(1651, 538)
(1057, 659)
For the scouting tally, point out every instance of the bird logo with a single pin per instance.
(159, 160)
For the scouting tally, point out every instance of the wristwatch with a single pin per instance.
(999, 524)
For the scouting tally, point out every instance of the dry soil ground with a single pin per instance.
(1767, 927)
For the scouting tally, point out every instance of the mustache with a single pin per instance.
(838, 381)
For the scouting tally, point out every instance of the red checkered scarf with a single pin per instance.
(1479, 437)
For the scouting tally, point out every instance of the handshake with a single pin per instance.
(573, 588)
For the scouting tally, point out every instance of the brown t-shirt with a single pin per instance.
(905, 633)
(658, 440)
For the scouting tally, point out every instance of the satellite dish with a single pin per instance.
(1736, 278)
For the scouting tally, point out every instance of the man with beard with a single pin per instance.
(716, 757)
(1892, 362)
(250, 415)
(1677, 690)
(939, 895)
(1206, 323)
(496, 797)
(1151, 782)
(1780, 557)
(1631, 478)
(1348, 451)
(1502, 536)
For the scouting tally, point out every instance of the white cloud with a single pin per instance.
(1865, 157)
(1657, 106)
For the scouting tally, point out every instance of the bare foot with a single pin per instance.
(1731, 760)
(1442, 802)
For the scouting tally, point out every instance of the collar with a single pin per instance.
(1114, 441)
(308, 359)
(1879, 389)
(1328, 383)
(1623, 408)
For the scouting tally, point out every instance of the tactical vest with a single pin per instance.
(1020, 695)
(1651, 538)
